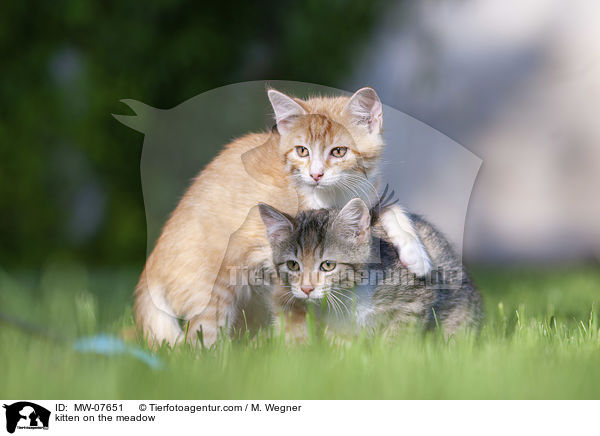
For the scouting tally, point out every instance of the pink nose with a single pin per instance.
(316, 177)
(307, 289)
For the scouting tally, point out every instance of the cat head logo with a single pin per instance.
(26, 415)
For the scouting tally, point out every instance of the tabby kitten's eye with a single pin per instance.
(293, 265)
(302, 151)
(339, 151)
(327, 266)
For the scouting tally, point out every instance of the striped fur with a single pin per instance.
(368, 285)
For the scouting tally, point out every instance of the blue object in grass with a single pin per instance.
(111, 345)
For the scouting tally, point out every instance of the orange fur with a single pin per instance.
(216, 225)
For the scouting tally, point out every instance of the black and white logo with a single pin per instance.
(26, 415)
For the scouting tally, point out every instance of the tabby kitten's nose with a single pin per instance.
(307, 289)
(316, 177)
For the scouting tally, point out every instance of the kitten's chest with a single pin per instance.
(312, 198)
(364, 307)
(315, 201)
(356, 309)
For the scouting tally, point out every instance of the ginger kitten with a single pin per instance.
(323, 152)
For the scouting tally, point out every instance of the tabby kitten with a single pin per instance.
(323, 152)
(344, 255)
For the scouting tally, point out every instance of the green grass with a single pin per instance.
(541, 340)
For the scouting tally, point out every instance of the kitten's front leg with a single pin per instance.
(402, 235)
(293, 325)
(289, 315)
(216, 318)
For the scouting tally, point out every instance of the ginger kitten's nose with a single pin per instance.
(307, 289)
(316, 176)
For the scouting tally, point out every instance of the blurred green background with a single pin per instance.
(69, 172)
(518, 93)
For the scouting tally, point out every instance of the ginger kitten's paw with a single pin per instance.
(402, 235)
(414, 257)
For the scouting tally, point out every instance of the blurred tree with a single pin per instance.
(69, 178)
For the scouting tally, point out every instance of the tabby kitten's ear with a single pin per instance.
(365, 109)
(286, 110)
(353, 220)
(279, 225)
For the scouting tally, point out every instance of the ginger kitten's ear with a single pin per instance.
(365, 109)
(286, 110)
(279, 225)
(353, 220)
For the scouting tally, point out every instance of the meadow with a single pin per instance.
(541, 340)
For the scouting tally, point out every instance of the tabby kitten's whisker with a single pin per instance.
(339, 304)
(289, 299)
(338, 295)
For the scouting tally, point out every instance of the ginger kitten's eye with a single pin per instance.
(302, 151)
(327, 266)
(339, 151)
(293, 265)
